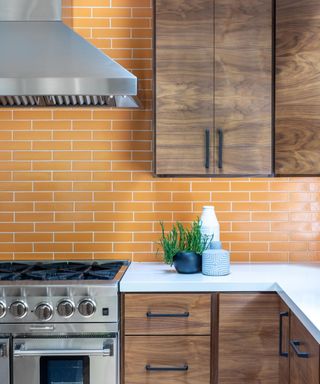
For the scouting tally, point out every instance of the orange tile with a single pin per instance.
(131, 186)
(33, 237)
(249, 186)
(53, 227)
(73, 237)
(131, 3)
(190, 196)
(34, 217)
(133, 206)
(51, 166)
(51, 125)
(73, 216)
(94, 206)
(230, 196)
(31, 176)
(112, 237)
(54, 207)
(52, 186)
(15, 207)
(249, 246)
(52, 145)
(111, 12)
(270, 257)
(32, 114)
(73, 196)
(94, 227)
(93, 247)
(270, 216)
(32, 155)
(16, 186)
(53, 247)
(115, 217)
(71, 176)
(152, 196)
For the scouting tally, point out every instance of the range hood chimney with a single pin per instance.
(46, 64)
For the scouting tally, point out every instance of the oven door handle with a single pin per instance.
(21, 352)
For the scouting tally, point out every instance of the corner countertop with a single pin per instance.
(297, 284)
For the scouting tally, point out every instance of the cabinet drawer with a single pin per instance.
(167, 314)
(167, 360)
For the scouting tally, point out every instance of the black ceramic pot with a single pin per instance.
(187, 262)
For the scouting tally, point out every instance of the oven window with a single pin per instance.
(64, 370)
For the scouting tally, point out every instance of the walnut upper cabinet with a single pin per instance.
(297, 88)
(213, 87)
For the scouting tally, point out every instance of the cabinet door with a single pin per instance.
(304, 354)
(248, 338)
(167, 360)
(298, 88)
(243, 86)
(284, 336)
(184, 87)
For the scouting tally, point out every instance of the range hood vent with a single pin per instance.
(44, 63)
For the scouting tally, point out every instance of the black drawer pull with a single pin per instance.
(150, 314)
(295, 345)
(281, 352)
(207, 149)
(220, 160)
(166, 369)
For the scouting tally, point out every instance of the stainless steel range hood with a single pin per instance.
(44, 63)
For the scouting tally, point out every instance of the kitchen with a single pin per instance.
(224, 124)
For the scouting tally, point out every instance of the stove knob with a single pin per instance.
(87, 307)
(3, 309)
(44, 312)
(18, 309)
(66, 308)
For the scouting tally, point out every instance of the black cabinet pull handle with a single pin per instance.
(167, 369)
(220, 160)
(295, 345)
(207, 149)
(150, 314)
(281, 352)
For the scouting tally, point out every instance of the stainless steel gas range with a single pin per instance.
(59, 322)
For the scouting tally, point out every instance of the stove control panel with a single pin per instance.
(59, 309)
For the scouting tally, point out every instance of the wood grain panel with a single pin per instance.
(197, 323)
(298, 88)
(248, 338)
(303, 371)
(243, 85)
(173, 351)
(184, 101)
(284, 371)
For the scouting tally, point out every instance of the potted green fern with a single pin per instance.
(183, 247)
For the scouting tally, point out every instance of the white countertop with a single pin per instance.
(297, 284)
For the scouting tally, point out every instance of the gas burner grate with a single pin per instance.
(58, 271)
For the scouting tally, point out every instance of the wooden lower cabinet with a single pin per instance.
(167, 360)
(248, 338)
(304, 354)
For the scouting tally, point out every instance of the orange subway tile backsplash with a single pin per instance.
(77, 184)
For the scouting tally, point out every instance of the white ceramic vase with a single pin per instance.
(209, 223)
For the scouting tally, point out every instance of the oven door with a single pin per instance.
(74, 360)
